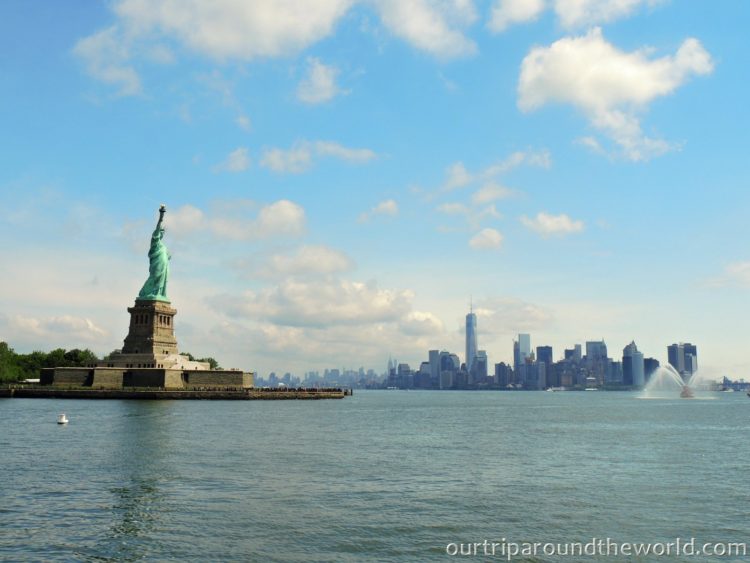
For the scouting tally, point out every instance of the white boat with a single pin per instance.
(62, 419)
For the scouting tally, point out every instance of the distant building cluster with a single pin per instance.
(349, 378)
(534, 369)
(587, 366)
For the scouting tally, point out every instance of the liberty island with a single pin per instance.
(149, 365)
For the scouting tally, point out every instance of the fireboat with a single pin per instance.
(686, 393)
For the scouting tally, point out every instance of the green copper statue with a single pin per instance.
(155, 288)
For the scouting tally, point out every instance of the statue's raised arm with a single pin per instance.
(162, 211)
(155, 288)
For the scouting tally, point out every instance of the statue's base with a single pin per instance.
(151, 332)
(146, 378)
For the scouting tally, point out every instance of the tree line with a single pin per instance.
(17, 367)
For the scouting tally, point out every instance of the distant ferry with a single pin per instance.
(591, 389)
(556, 389)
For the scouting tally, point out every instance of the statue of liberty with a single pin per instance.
(155, 288)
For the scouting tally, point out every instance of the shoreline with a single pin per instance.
(24, 392)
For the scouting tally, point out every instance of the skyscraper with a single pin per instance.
(544, 354)
(633, 367)
(596, 350)
(521, 352)
(524, 346)
(597, 361)
(471, 339)
(650, 365)
(683, 357)
(479, 369)
(434, 356)
(676, 358)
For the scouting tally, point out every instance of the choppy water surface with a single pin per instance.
(380, 476)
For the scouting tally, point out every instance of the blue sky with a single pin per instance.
(342, 177)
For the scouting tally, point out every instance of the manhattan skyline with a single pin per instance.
(342, 182)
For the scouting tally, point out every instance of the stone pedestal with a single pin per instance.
(151, 329)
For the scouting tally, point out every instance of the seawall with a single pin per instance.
(26, 392)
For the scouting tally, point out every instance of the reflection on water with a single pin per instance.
(135, 514)
(138, 505)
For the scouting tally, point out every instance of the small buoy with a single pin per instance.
(62, 419)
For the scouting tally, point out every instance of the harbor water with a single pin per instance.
(379, 476)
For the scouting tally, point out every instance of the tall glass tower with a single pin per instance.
(471, 339)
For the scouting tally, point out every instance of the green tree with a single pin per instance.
(9, 370)
(76, 357)
(56, 358)
(30, 364)
(15, 367)
(212, 362)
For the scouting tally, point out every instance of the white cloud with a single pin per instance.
(739, 272)
(243, 122)
(299, 349)
(388, 208)
(552, 225)
(486, 239)
(508, 12)
(735, 274)
(453, 209)
(234, 29)
(538, 159)
(237, 161)
(160, 54)
(319, 85)
(479, 209)
(491, 192)
(488, 211)
(581, 13)
(305, 261)
(295, 160)
(419, 323)
(300, 157)
(474, 216)
(570, 13)
(320, 303)
(456, 177)
(335, 150)
(610, 86)
(510, 315)
(71, 328)
(106, 58)
(183, 220)
(592, 144)
(434, 27)
(281, 218)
